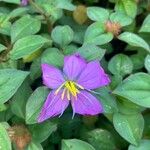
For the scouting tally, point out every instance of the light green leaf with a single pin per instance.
(53, 57)
(11, 1)
(35, 103)
(34, 146)
(135, 88)
(65, 4)
(134, 40)
(120, 18)
(98, 14)
(62, 35)
(128, 7)
(75, 144)
(147, 63)
(2, 47)
(18, 12)
(144, 145)
(5, 142)
(130, 127)
(120, 64)
(27, 45)
(146, 25)
(91, 52)
(23, 27)
(99, 39)
(45, 129)
(10, 81)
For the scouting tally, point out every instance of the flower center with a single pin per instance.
(69, 88)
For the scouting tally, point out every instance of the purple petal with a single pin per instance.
(24, 2)
(52, 77)
(73, 65)
(93, 76)
(86, 104)
(53, 106)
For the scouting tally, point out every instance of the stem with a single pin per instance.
(49, 25)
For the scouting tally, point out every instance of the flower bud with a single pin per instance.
(80, 15)
(20, 135)
(113, 27)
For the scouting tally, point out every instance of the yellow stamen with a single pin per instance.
(63, 93)
(81, 87)
(56, 92)
(71, 87)
(68, 95)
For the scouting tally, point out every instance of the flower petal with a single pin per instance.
(73, 65)
(86, 104)
(93, 76)
(52, 77)
(24, 2)
(53, 106)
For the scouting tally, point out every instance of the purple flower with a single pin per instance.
(24, 2)
(73, 85)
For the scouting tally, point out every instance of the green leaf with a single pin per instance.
(91, 52)
(53, 57)
(130, 127)
(107, 100)
(147, 63)
(11, 1)
(94, 30)
(18, 12)
(19, 100)
(146, 25)
(35, 69)
(45, 129)
(25, 26)
(75, 144)
(27, 45)
(100, 139)
(2, 47)
(65, 4)
(120, 18)
(5, 25)
(35, 103)
(144, 145)
(5, 142)
(34, 146)
(10, 81)
(136, 89)
(99, 39)
(128, 7)
(98, 14)
(120, 64)
(134, 40)
(62, 35)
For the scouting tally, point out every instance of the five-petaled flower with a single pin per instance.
(73, 85)
(24, 2)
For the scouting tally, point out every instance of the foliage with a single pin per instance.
(114, 32)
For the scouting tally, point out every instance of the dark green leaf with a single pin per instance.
(75, 144)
